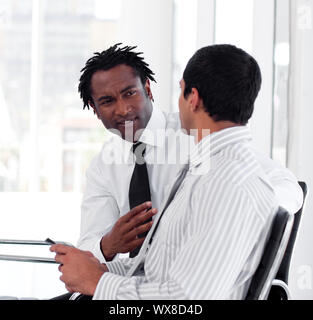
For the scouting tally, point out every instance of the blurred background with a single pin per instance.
(47, 140)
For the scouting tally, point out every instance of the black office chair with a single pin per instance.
(263, 285)
(272, 256)
(279, 289)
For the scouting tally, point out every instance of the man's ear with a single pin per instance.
(194, 100)
(148, 90)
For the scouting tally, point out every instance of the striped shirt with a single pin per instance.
(210, 238)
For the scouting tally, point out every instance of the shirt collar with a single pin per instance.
(217, 141)
(154, 132)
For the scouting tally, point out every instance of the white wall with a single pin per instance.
(250, 25)
(148, 24)
(262, 51)
(36, 216)
(300, 151)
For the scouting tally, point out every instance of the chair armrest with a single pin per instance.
(283, 289)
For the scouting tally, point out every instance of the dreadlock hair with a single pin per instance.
(108, 59)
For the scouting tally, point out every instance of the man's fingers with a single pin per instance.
(138, 230)
(88, 253)
(139, 219)
(134, 211)
(134, 244)
(60, 248)
(59, 258)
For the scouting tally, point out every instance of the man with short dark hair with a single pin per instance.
(222, 95)
(207, 239)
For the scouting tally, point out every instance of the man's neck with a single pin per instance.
(208, 126)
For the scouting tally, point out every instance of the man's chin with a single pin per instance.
(128, 135)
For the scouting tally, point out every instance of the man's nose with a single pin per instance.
(122, 108)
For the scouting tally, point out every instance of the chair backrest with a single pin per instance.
(272, 256)
(283, 270)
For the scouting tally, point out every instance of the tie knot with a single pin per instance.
(136, 145)
(139, 150)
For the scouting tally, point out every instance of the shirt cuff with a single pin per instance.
(99, 255)
(97, 251)
(108, 286)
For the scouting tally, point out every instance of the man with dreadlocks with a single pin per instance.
(121, 196)
(116, 85)
(137, 161)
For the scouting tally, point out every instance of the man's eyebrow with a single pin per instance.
(128, 87)
(104, 98)
(122, 91)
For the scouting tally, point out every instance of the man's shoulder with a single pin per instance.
(249, 184)
(238, 166)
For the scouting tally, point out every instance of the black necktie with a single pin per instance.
(139, 263)
(139, 189)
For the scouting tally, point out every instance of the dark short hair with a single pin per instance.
(228, 80)
(109, 59)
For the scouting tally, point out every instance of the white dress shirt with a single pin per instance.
(167, 149)
(210, 238)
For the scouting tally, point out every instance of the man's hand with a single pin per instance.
(81, 271)
(124, 235)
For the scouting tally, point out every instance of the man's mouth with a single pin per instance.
(126, 123)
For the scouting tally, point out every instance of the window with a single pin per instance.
(281, 75)
(47, 140)
(234, 23)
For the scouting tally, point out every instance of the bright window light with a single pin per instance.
(282, 54)
(234, 23)
(107, 9)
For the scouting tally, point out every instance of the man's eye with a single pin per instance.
(130, 93)
(104, 102)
